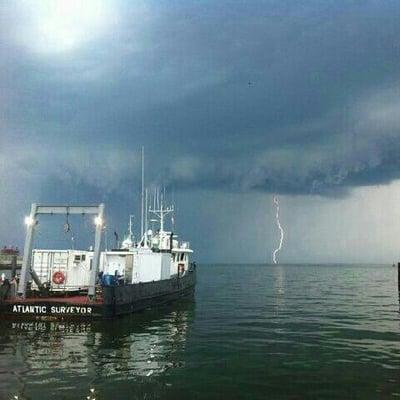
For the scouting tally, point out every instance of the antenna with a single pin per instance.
(146, 228)
(142, 219)
(175, 209)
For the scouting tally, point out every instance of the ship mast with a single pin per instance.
(129, 239)
(130, 226)
(162, 210)
(142, 214)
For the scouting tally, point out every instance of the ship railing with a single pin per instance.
(69, 290)
(63, 288)
(7, 259)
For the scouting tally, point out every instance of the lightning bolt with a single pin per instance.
(282, 233)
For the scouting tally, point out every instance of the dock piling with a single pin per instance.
(398, 276)
(13, 266)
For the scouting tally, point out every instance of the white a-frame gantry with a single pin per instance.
(31, 222)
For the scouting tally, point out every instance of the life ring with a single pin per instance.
(58, 278)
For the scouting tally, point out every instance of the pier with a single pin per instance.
(10, 262)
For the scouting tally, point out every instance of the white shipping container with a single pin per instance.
(73, 265)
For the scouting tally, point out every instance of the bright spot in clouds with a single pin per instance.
(56, 26)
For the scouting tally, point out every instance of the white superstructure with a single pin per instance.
(159, 255)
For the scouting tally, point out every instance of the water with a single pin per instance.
(253, 332)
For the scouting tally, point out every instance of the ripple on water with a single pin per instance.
(286, 331)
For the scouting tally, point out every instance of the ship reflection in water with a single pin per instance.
(95, 359)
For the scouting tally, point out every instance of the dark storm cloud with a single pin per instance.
(288, 97)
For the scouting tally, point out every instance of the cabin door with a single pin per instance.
(128, 268)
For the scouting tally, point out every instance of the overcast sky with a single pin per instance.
(234, 101)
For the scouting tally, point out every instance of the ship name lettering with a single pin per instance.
(70, 310)
(31, 309)
(25, 309)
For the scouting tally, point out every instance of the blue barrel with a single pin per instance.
(108, 280)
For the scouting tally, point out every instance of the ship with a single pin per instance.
(96, 282)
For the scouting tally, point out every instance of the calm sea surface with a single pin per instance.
(252, 332)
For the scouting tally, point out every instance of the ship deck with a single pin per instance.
(73, 300)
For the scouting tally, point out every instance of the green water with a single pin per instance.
(252, 332)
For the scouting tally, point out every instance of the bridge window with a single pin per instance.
(79, 257)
